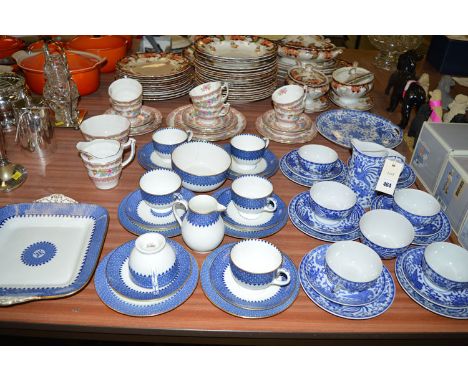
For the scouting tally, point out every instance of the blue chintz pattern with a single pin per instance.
(317, 168)
(422, 223)
(203, 220)
(384, 253)
(439, 280)
(38, 253)
(145, 281)
(200, 180)
(339, 282)
(328, 213)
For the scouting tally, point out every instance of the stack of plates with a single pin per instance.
(162, 75)
(248, 63)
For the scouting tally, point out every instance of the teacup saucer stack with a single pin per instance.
(146, 277)
(348, 280)
(248, 63)
(162, 75)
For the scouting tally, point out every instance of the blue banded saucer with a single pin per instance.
(215, 296)
(266, 168)
(290, 167)
(118, 274)
(314, 263)
(132, 307)
(149, 160)
(304, 212)
(310, 231)
(370, 310)
(457, 313)
(440, 226)
(415, 276)
(233, 228)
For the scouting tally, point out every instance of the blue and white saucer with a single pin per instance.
(265, 225)
(314, 263)
(415, 276)
(407, 177)
(149, 160)
(238, 300)
(304, 212)
(373, 309)
(266, 168)
(290, 167)
(133, 307)
(457, 313)
(440, 227)
(118, 273)
(310, 231)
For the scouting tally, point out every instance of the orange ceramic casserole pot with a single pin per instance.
(9, 45)
(84, 68)
(112, 47)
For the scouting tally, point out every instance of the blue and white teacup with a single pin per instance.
(167, 139)
(317, 159)
(256, 264)
(419, 207)
(332, 200)
(248, 149)
(251, 195)
(160, 188)
(352, 266)
(387, 232)
(446, 265)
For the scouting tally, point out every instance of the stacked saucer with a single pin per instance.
(120, 288)
(248, 63)
(323, 278)
(425, 276)
(162, 75)
(226, 292)
(147, 121)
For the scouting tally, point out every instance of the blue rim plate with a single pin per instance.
(301, 226)
(457, 313)
(119, 258)
(144, 157)
(373, 309)
(143, 308)
(214, 296)
(217, 277)
(340, 126)
(272, 165)
(407, 177)
(442, 234)
(235, 229)
(314, 263)
(304, 212)
(48, 250)
(415, 276)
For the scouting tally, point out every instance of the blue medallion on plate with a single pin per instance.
(340, 126)
(265, 170)
(362, 312)
(457, 313)
(118, 276)
(38, 253)
(216, 297)
(314, 263)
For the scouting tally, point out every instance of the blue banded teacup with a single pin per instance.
(248, 149)
(160, 188)
(167, 139)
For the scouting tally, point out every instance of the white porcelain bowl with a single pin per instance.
(106, 126)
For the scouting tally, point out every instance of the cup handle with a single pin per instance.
(131, 142)
(283, 277)
(225, 86)
(271, 205)
(189, 135)
(224, 110)
(184, 204)
(154, 281)
(267, 142)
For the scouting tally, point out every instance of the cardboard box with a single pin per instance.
(449, 54)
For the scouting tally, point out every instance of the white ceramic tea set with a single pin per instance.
(147, 276)
(250, 279)
(347, 279)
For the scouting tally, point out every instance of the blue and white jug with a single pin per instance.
(364, 168)
(202, 226)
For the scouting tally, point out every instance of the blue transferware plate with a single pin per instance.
(314, 263)
(340, 126)
(308, 230)
(304, 212)
(457, 313)
(141, 308)
(234, 228)
(48, 250)
(118, 274)
(415, 276)
(266, 168)
(149, 160)
(223, 281)
(440, 226)
(215, 296)
(373, 309)
(407, 177)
